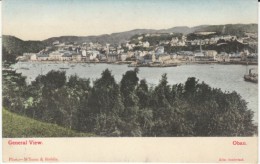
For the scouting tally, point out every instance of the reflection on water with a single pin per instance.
(226, 77)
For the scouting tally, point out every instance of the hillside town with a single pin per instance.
(140, 52)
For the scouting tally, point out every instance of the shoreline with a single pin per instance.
(129, 63)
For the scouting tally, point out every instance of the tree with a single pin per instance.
(128, 86)
(8, 58)
(14, 87)
(145, 119)
(161, 105)
(143, 94)
(54, 79)
(190, 87)
(105, 102)
(162, 92)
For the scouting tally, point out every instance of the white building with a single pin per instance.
(211, 53)
(55, 56)
(140, 38)
(42, 57)
(174, 41)
(198, 54)
(66, 57)
(33, 57)
(76, 57)
(27, 56)
(146, 44)
(123, 56)
(56, 42)
(163, 58)
(181, 43)
(84, 53)
(92, 55)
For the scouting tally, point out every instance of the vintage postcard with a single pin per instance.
(130, 81)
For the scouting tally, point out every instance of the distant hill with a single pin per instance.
(115, 38)
(120, 37)
(16, 46)
(16, 126)
(230, 29)
(182, 29)
(229, 47)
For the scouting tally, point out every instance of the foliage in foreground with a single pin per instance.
(19, 126)
(128, 108)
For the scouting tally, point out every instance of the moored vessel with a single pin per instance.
(251, 77)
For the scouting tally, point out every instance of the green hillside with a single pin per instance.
(231, 29)
(15, 126)
(17, 46)
(13, 47)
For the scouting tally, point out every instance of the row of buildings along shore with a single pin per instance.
(95, 52)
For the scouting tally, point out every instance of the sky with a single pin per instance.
(42, 19)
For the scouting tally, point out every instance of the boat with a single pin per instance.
(251, 77)
(24, 68)
(64, 68)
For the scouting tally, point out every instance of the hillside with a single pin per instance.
(229, 47)
(120, 37)
(182, 29)
(231, 29)
(17, 46)
(16, 126)
(115, 38)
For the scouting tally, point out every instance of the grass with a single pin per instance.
(16, 126)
